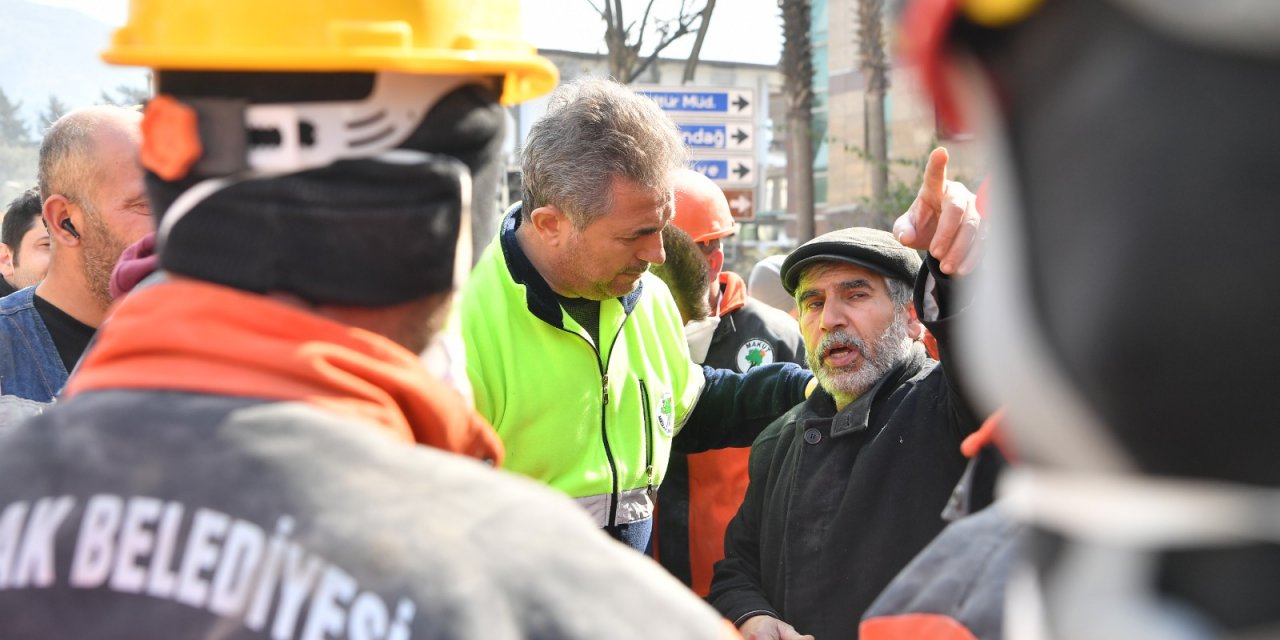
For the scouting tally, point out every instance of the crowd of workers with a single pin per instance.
(237, 398)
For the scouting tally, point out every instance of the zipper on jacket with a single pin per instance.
(603, 365)
(604, 435)
(648, 438)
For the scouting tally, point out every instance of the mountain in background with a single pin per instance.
(47, 50)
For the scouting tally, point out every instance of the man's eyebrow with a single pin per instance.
(642, 231)
(860, 283)
(668, 214)
(649, 230)
(135, 201)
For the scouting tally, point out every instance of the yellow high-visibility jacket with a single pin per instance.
(594, 421)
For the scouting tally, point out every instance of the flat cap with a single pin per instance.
(868, 248)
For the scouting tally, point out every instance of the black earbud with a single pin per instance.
(70, 228)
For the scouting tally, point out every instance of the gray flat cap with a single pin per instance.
(868, 248)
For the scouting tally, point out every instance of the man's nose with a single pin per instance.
(833, 316)
(651, 249)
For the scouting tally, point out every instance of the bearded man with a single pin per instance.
(94, 205)
(850, 484)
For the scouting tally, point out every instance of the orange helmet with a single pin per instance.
(702, 211)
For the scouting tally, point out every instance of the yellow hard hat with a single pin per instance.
(439, 37)
(998, 13)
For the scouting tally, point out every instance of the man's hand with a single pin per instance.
(943, 219)
(769, 628)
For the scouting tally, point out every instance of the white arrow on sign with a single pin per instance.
(728, 170)
(741, 202)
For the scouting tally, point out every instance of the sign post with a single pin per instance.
(719, 127)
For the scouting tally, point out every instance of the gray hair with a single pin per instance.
(900, 291)
(67, 154)
(595, 130)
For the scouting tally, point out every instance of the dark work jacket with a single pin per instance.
(840, 502)
(701, 492)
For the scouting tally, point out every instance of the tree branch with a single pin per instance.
(691, 65)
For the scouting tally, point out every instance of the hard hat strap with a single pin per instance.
(283, 138)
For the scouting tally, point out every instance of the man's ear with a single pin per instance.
(715, 262)
(915, 328)
(57, 210)
(551, 224)
(6, 261)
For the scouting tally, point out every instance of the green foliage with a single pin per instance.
(18, 152)
(17, 170)
(52, 111)
(904, 185)
(125, 96)
(19, 143)
(13, 129)
(901, 193)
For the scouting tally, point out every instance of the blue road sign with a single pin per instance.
(734, 103)
(715, 136)
(727, 171)
(714, 169)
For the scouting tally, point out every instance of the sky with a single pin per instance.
(741, 30)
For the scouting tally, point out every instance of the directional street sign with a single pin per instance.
(730, 102)
(728, 171)
(699, 136)
(720, 128)
(742, 203)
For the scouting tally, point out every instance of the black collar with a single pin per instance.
(539, 297)
(856, 417)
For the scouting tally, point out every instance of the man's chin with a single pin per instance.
(621, 286)
(843, 381)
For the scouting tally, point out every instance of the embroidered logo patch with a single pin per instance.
(754, 353)
(667, 414)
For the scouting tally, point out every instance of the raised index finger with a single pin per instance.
(915, 228)
(935, 177)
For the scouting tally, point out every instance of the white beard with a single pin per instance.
(891, 348)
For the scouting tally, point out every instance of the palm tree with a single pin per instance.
(874, 66)
(797, 88)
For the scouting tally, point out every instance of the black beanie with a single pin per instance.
(358, 232)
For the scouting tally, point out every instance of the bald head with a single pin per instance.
(95, 205)
(81, 147)
(701, 208)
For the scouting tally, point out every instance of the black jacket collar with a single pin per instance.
(539, 297)
(856, 417)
